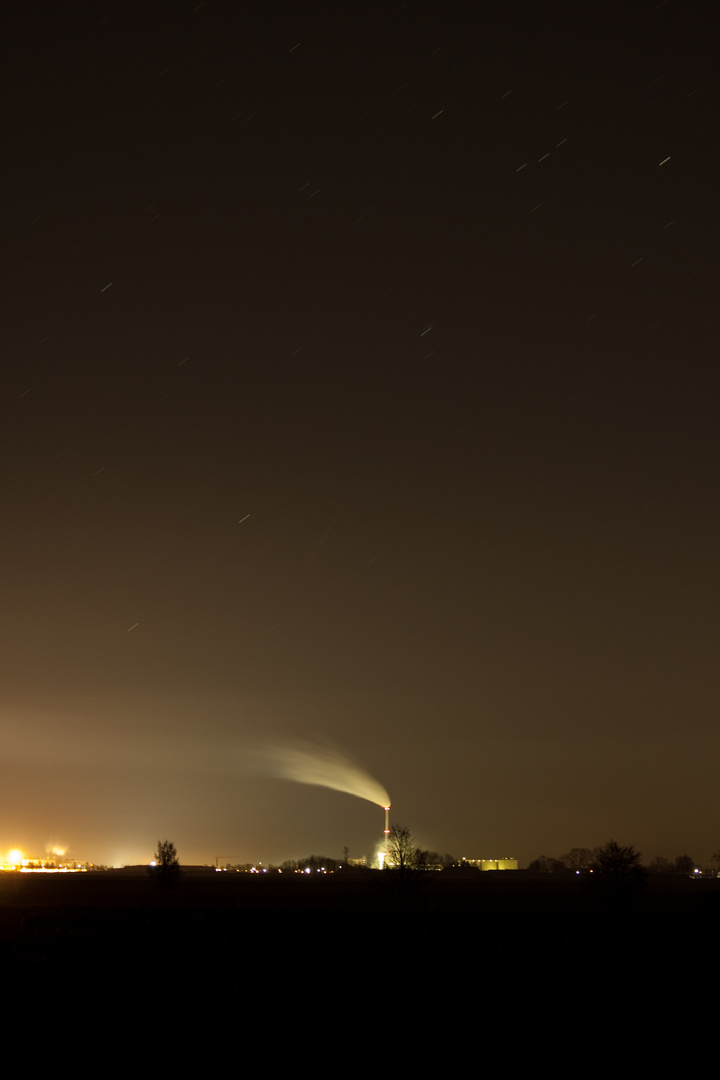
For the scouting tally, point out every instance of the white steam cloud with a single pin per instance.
(320, 765)
(50, 737)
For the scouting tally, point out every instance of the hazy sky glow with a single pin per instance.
(360, 389)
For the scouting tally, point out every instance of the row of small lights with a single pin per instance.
(277, 870)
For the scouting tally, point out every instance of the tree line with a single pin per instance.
(583, 860)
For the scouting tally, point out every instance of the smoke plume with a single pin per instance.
(318, 764)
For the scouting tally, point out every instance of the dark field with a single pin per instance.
(458, 943)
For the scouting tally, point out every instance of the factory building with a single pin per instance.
(492, 864)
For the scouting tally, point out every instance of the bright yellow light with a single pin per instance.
(15, 857)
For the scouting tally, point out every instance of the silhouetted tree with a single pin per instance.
(402, 852)
(617, 864)
(406, 865)
(617, 872)
(434, 858)
(316, 863)
(545, 865)
(167, 870)
(661, 865)
(578, 858)
(684, 864)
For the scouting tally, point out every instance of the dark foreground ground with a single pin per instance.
(481, 952)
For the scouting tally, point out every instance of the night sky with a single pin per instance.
(360, 384)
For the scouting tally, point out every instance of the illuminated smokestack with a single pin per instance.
(383, 846)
